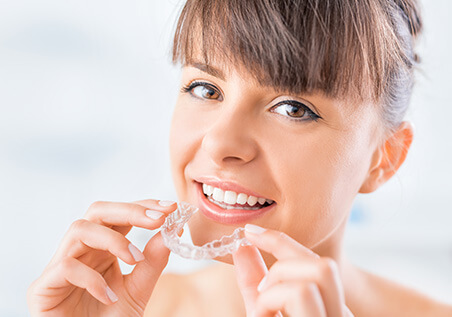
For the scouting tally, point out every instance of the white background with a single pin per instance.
(86, 95)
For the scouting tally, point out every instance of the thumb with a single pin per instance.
(140, 283)
(250, 269)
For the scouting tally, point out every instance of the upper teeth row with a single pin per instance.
(230, 197)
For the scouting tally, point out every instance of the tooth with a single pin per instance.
(230, 197)
(242, 198)
(218, 194)
(261, 201)
(209, 190)
(270, 201)
(204, 189)
(252, 200)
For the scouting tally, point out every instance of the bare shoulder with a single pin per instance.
(384, 297)
(173, 296)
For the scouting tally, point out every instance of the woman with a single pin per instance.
(288, 110)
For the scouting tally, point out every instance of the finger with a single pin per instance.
(71, 272)
(323, 272)
(151, 203)
(140, 283)
(85, 235)
(301, 300)
(249, 268)
(147, 214)
(277, 243)
(347, 312)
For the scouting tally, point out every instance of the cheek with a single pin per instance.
(321, 173)
(185, 139)
(178, 152)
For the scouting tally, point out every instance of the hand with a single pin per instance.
(83, 278)
(299, 283)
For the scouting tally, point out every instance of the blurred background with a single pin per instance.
(86, 95)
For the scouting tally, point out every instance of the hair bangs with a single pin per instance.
(323, 46)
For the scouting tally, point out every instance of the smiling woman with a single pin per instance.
(287, 111)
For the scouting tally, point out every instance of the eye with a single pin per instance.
(295, 110)
(203, 90)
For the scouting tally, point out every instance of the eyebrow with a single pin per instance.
(216, 72)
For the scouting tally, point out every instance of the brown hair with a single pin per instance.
(343, 48)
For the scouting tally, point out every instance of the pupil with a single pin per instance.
(295, 111)
(209, 92)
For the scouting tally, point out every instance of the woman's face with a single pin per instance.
(306, 155)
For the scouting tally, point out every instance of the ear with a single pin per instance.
(388, 158)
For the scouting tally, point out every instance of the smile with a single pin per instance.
(231, 200)
(229, 206)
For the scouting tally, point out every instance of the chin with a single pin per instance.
(204, 230)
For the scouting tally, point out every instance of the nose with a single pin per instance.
(230, 139)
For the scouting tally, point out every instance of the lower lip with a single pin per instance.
(227, 216)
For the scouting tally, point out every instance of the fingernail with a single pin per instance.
(165, 203)
(154, 214)
(261, 285)
(111, 295)
(137, 255)
(254, 229)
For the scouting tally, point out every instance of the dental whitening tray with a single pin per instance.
(176, 221)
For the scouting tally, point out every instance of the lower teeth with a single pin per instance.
(226, 206)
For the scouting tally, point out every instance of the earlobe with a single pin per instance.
(388, 158)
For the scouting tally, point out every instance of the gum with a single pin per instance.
(221, 247)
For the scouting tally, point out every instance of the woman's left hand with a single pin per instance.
(299, 283)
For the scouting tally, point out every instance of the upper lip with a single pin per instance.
(227, 185)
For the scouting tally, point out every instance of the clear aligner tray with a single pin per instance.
(175, 221)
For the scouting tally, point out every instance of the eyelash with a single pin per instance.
(188, 88)
(312, 116)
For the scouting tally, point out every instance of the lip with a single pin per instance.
(228, 185)
(227, 216)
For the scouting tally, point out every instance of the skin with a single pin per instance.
(312, 169)
(86, 263)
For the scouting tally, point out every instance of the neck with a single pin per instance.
(331, 246)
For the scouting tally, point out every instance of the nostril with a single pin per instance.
(229, 145)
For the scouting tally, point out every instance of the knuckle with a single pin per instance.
(94, 207)
(78, 225)
(96, 283)
(66, 265)
(120, 241)
(327, 267)
(134, 211)
(305, 290)
(98, 279)
(282, 236)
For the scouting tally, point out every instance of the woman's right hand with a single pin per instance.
(83, 278)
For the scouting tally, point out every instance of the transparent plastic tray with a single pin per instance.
(176, 221)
